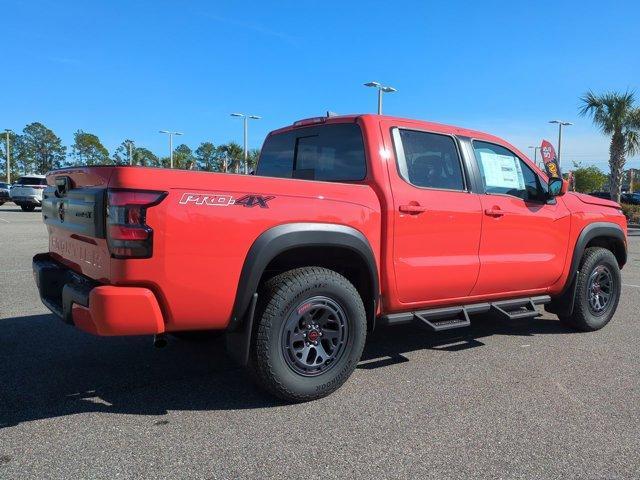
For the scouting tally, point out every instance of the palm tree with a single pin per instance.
(615, 114)
(234, 153)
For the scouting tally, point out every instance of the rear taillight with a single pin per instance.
(128, 235)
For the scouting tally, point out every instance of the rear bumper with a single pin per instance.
(37, 201)
(94, 307)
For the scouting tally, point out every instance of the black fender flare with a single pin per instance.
(563, 303)
(593, 230)
(268, 246)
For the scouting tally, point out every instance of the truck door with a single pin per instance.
(524, 234)
(436, 217)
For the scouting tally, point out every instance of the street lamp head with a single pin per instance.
(163, 131)
(237, 114)
(560, 122)
(255, 117)
(389, 89)
(178, 133)
(372, 84)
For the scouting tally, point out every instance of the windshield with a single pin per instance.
(31, 181)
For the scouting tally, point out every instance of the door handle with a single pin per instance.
(494, 212)
(412, 209)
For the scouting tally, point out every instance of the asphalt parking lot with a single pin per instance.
(527, 399)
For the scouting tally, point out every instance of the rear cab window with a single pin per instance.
(331, 153)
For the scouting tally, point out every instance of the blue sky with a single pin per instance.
(129, 68)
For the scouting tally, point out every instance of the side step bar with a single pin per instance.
(516, 309)
(440, 319)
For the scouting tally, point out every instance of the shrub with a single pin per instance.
(632, 212)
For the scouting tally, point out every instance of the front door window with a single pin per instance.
(504, 173)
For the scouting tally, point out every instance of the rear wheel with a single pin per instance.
(310, 333)
(597, 290)
(28, 208)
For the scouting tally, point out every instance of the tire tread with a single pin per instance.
(275, 295)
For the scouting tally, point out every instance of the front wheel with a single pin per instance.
(310, 334)
(597, 290)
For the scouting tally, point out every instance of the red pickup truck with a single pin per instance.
(349, 222)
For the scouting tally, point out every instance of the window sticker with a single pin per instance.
(501, 171)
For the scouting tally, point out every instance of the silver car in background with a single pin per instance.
(27, 191)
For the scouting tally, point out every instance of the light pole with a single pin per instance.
(535, 154)
(130, 145)
(246, 136)
(171, 134)
(560, 125)
(8, 131)
(381, 89)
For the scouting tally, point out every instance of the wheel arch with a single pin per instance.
(275, 249)
(607, 235)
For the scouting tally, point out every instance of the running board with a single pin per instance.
(440, 319)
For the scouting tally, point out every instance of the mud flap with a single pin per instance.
(563, 305)
(238, 342)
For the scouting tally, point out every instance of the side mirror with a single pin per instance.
(557, 187)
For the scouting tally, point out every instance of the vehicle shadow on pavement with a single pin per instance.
(18, 210)
(386, 345)
(48, 369)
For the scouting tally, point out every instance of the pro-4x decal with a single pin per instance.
(223, 200)
(253, 200)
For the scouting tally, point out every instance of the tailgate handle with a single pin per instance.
(412, 209)
(63, 185)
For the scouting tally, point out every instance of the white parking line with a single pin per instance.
(629, 285)
(7, 221)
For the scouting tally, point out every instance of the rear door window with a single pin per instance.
(428, 160)
(333, 153)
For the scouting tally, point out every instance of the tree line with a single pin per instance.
(38, 149)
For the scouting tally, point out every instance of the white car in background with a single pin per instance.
(27, 191)
(4, 193)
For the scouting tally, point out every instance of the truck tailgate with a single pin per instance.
(74, 209)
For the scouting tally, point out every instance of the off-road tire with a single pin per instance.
(583, 317)
(280, 300)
